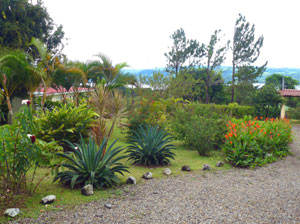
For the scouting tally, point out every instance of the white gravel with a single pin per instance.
(270, 194)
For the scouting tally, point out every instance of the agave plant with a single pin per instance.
(88, 165)
(150, 146)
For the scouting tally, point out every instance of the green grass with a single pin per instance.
(68, 198)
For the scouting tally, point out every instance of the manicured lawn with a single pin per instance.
(67, 198)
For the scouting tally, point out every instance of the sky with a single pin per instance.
(138, 31)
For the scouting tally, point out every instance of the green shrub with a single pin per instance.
(21, 151)
(150, 146)
(251, 143)
(201, 133)
(293, 113)
(92, 164)
(65, 123)
(150, 112)
(231, 110)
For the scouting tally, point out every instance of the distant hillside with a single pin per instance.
(227, 72)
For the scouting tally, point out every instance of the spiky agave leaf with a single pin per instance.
(87, 165)
(150, 146)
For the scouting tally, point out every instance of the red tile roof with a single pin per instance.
(290, 92)
(52, 91)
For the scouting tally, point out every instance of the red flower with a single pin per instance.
(32, 137)
(28, 102)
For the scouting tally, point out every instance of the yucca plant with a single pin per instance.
(150, 146)
(87, 164)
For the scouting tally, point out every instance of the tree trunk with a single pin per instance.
(233, 79)
(268, 111)
(44, 95)
(31, 97)
(132, 96)
(207, 83)
(10, 112)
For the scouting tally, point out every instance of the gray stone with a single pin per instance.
(87, 190)
(186, 168)
(48, 199)
(219, 164)
(107, 205)
(206, 167)
(147, 176)
(12, 212)
(167, 172)
(131, 180)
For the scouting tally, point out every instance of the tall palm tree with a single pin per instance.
(69, 76)
(15, 69)
(104, 68)
(46, 63)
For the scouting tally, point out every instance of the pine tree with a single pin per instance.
(245, 49)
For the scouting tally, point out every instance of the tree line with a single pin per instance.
(186, 55)
(31, 57)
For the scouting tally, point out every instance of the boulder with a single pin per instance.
(206, 167)
(186, 168)
(219, 164)
(131, 180)
(12, 212)
(48, 199)
(167, 172)
(87, 190)
(148, 176)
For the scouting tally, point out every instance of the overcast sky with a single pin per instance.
(137, 31)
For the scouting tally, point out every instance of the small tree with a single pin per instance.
(276, 80)
(215, 56)
(185, 86)
(158, 82)
(45, 63)
(109, 104)
(245, 49)
(68, 76)
(267, 101)
(15, 71)
(246, 77)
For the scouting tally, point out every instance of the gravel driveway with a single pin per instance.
(265, 195)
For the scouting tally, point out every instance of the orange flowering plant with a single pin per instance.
(254, 142)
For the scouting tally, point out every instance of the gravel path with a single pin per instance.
(265, 195)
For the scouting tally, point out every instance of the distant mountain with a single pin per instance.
(227, 72)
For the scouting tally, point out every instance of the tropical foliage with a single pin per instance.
(89, 163)
(67, 122)
(150, 146)
(251, 143)
(189, 102)
(20, 151)
(110, 105)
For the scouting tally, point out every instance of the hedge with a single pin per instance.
(293, 113)
(232, 110)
